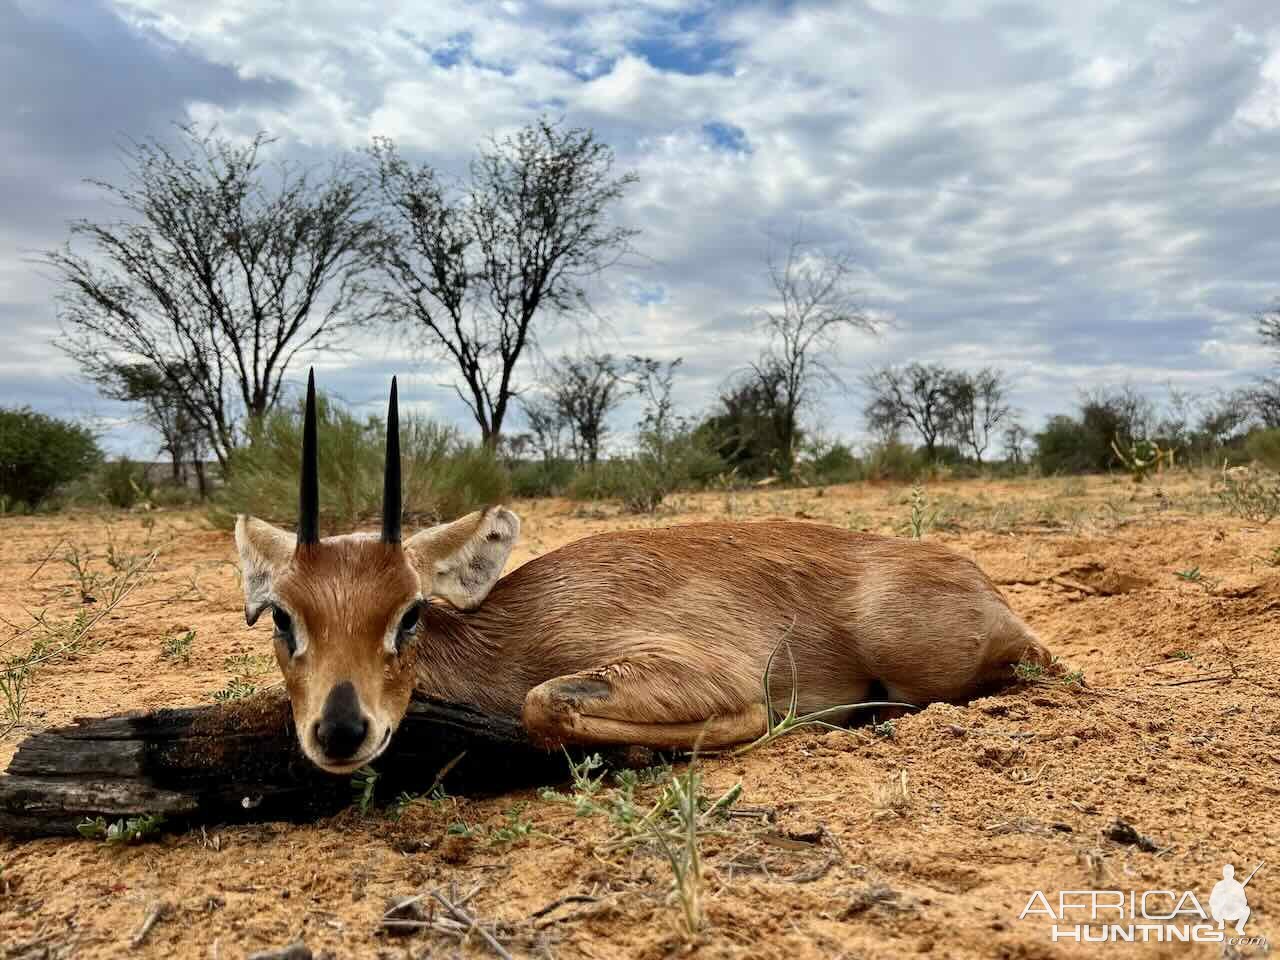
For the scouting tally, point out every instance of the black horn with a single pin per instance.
(391, 507)
(309, 493)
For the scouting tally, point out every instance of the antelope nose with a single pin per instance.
(342, 726)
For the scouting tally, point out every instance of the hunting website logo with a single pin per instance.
(1149, 916)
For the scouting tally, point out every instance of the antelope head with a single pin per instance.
(346, 609)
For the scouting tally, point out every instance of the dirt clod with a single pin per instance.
(1120, 831)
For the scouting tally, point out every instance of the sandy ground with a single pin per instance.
(928, 839)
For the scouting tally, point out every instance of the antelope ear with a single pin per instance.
(264, 550)
(462, 560)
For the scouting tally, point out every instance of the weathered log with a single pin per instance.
(241, 761)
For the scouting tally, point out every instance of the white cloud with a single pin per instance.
(1078, 192)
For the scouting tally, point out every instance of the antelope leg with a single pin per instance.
(640, 704)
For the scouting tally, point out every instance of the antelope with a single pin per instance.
(657, 638)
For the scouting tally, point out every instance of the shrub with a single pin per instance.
(641, 481)
(39, 453)
(542, 478)
(1250, 493)
(173, 495)
(466, 477)
(1067, 445)
(744, 431)
(1084, 444)
(893, 460)
(834, 464)
(1264, 447)
(614, 479)
(122, 483)
(442, 476)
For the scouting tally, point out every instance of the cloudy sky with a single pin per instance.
(1081, 193)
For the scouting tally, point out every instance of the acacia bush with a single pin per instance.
(643, 480)
(542, 478)
(443, 476)
(835, 463)
(1264, 447)
(894, 461)
(123, 483)
(1068, 445)
(39, 454)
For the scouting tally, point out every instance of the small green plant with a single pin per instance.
(779, 726)
(364, 784)
(622, 808)
(131, 830)
(727, 483)
(178, 647)
(885, 730)
(1196, 576)
(1028, 672)
(922, 519)
(436, 794)
(1181, 655)
(585, 786)
(236, 689)
(516, 827)
(439, 796)
(403, 802)
(13, 689)
(52, 638)
(516, 824)
(673, 824)
(86, 579)
(682, 849)
(249, 664)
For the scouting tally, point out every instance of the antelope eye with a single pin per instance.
(284, 629)
(282, 620)
(409, 622)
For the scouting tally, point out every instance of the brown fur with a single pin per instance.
(697, 610)
(657, 637)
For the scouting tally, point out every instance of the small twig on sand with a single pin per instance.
(444, 772)
(463, 917)
(1208, 679)
(47, 557)
(561, 901)
(156, 914)
(401, 906)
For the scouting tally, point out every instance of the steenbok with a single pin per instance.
(656, 638)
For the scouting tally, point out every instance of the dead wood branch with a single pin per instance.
(240, 761)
